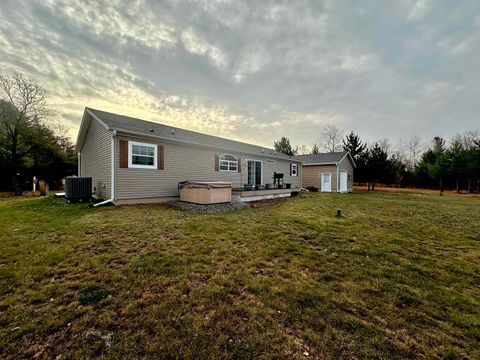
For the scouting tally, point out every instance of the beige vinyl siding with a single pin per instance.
(95, 160)
(312, 175)
(187, 162)
(347, 165)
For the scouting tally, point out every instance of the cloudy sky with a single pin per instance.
(257, 70)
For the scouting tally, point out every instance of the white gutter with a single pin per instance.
(112, 186)
(176, 141)
(78, 164)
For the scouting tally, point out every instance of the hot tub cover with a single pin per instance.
(204, 184)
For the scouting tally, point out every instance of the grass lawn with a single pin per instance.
(397, 277)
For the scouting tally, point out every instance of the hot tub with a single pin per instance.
(205, 192)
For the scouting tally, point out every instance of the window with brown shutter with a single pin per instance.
(216, 162)
(123, 153)
(239, 167)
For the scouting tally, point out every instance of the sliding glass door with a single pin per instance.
(254, 172)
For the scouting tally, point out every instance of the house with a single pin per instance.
(328, 172)
(133, 161)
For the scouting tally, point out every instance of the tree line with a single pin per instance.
(438, 165)
(30, 143)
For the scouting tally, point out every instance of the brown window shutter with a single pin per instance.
(160, 157)
(123, 153)
(239, 166)
(290, 169)
(216, 162)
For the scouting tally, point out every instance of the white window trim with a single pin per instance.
(136, 166)
(296, 169)
(228, 161)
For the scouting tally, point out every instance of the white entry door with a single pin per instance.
(326, 182)
(343, 181)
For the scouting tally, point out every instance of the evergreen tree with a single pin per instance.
(358, 150)
(315, 149)
(354, 145)
(377, 166)
(284, 146)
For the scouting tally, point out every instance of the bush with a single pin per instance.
(313, 189)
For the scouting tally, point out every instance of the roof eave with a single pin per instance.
(84, 125)
(153, 136)
(82, 131)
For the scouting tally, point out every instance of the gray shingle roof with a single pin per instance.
(323, 158)
(152, 129)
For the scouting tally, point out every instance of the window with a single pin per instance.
(326, 178)
(228, 163)
(294, 169)
(142, 155)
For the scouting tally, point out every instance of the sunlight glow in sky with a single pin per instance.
(255, 70)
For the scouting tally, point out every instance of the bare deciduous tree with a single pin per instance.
(385, 145)
(25, 95)
(331, 138)
(468, 139)
(22, 103)
(414, 150)
(301, 150)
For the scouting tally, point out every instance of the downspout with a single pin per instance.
(112, 186)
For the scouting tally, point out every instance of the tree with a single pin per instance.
(354, 145)
(473, 168)
(28, 144)
(434, 165)
(22, 104)
(315, 149)
(413, 152)
(469, 139)
(396, 170)
(439, 169)
(52, 155)
(438, 145)
(300, 150)
(377, 166)
(358, 150)
(385, 145)
(331, 138)
(458, 161)
(284, 146)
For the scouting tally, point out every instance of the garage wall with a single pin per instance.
(312, 173)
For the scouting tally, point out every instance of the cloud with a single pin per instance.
(195, 44)
(254, 71)
(419, 10)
